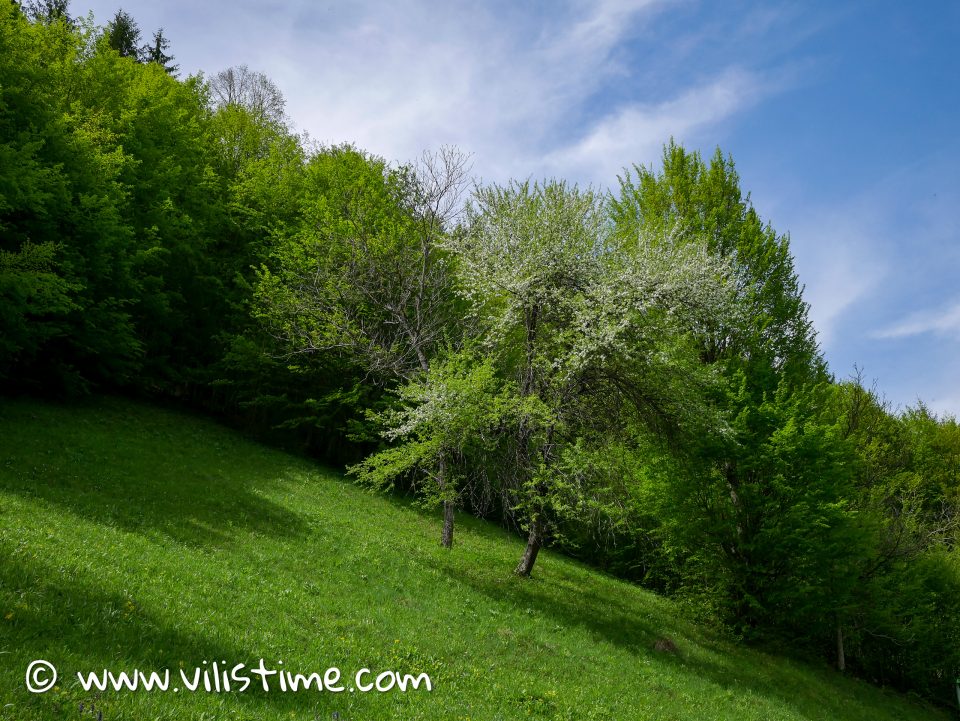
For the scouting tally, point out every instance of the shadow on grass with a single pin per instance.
(135, 468)
(202, 488)
(80, 629)
(700, 653)
(489, 528)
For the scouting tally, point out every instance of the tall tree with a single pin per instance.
(706, 200)
(65, 268)
(901, 624)
(749, 538)
(123, 35)
(248, 117)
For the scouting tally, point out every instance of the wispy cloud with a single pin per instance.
(841, 257)
(636, 132)
(601, 25)
(844, 278)
(499, 82)
(875, 253)
(943, 322)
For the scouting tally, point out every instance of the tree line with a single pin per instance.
(630, 376)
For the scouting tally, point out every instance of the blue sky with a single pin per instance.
(842, 118)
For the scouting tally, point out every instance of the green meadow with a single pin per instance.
(138, 538)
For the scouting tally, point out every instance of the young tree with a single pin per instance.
(446, 417)
(364, 274)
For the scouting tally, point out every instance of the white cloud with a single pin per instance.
(859, 271)
(636, 133)
(944, 322)
(601, 27)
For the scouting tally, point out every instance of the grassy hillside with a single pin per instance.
(138, 538)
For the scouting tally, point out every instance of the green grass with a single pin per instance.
(133, 537)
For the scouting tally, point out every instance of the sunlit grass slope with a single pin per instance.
(133, 537)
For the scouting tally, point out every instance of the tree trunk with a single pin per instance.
(841, 658)
(447, 537)
(733, 484)
(534, 541)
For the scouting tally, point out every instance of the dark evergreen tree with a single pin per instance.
(123, 35)
(156, 52)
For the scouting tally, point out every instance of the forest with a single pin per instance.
(630, 376)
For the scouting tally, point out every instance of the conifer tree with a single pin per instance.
(156, 52)
(123, 35)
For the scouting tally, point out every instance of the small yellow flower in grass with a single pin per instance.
(9, 616)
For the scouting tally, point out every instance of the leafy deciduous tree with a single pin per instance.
(364, 274)
(774, 375)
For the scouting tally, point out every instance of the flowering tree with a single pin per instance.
(587, 332)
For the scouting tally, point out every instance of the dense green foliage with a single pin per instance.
(631, 377)
(131, 214)
(136, 537)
